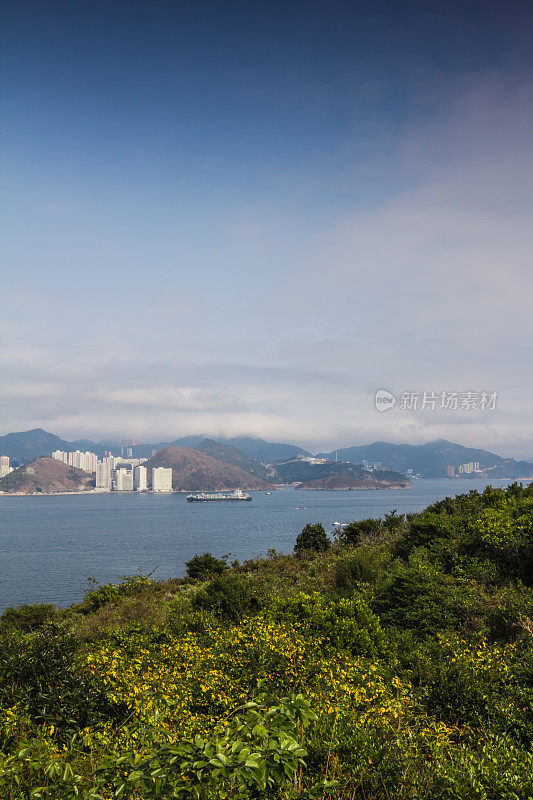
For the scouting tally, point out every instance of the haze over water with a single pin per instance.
(51, 545)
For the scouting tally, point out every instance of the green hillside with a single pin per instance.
(394, 662)
(432, 458)
(231, 455)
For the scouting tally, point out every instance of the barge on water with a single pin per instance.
(219, 497)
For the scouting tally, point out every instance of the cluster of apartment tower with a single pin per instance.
(117, 473)
(464, 469)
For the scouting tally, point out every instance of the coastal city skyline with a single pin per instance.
(204, 463)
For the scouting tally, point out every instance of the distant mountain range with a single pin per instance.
(256, 449)
(25, 445)
(277, 462)
(430, 460)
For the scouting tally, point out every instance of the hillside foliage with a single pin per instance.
(395, 662)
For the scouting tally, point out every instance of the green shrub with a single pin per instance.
(312, 537)
(229, 597)
(204, 566)
(505, 536)
(506, 611)
(39, 672)
(125, 612)
(114, 592)
(421, 597)
(255, 755)
(437, 532)
(343, 624)
(28, 617)
(462, 683)
(355, 532)
(362, 566)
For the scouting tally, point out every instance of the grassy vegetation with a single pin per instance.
(395, 663)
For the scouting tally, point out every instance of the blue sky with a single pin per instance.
(231, 217)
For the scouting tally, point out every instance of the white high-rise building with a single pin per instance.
(60, 456)
(123, 480)
(103, 476)
(85, 461)
(74, 459)
(162, 479)
(140, 479)
(91, 460)
(467, 469)
(5, 467)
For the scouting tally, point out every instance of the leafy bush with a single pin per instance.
(28, 617)
(125, 612)
(115, 592)
(354, 533)
(362, 566)
(40, 673)
(256, 754)
(507, 538)
(205, 566)
(462, 682)
(344, 624)
(434, 531)
(229, 597)
(312, 537)
(421, 597)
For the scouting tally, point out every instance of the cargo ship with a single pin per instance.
(212, 497)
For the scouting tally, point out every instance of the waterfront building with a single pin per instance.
(74, 459)
(85, 461)
(103, 475)
(123, 480)
(89, 462)
(467, 469)
(140, 478)
(162, 479)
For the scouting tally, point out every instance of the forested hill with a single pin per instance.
(394, 661)
(430, 460)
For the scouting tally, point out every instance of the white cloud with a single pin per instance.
(286, 333)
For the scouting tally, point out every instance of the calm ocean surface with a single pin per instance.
(51, 545)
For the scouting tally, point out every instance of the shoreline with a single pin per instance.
(278, 487)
